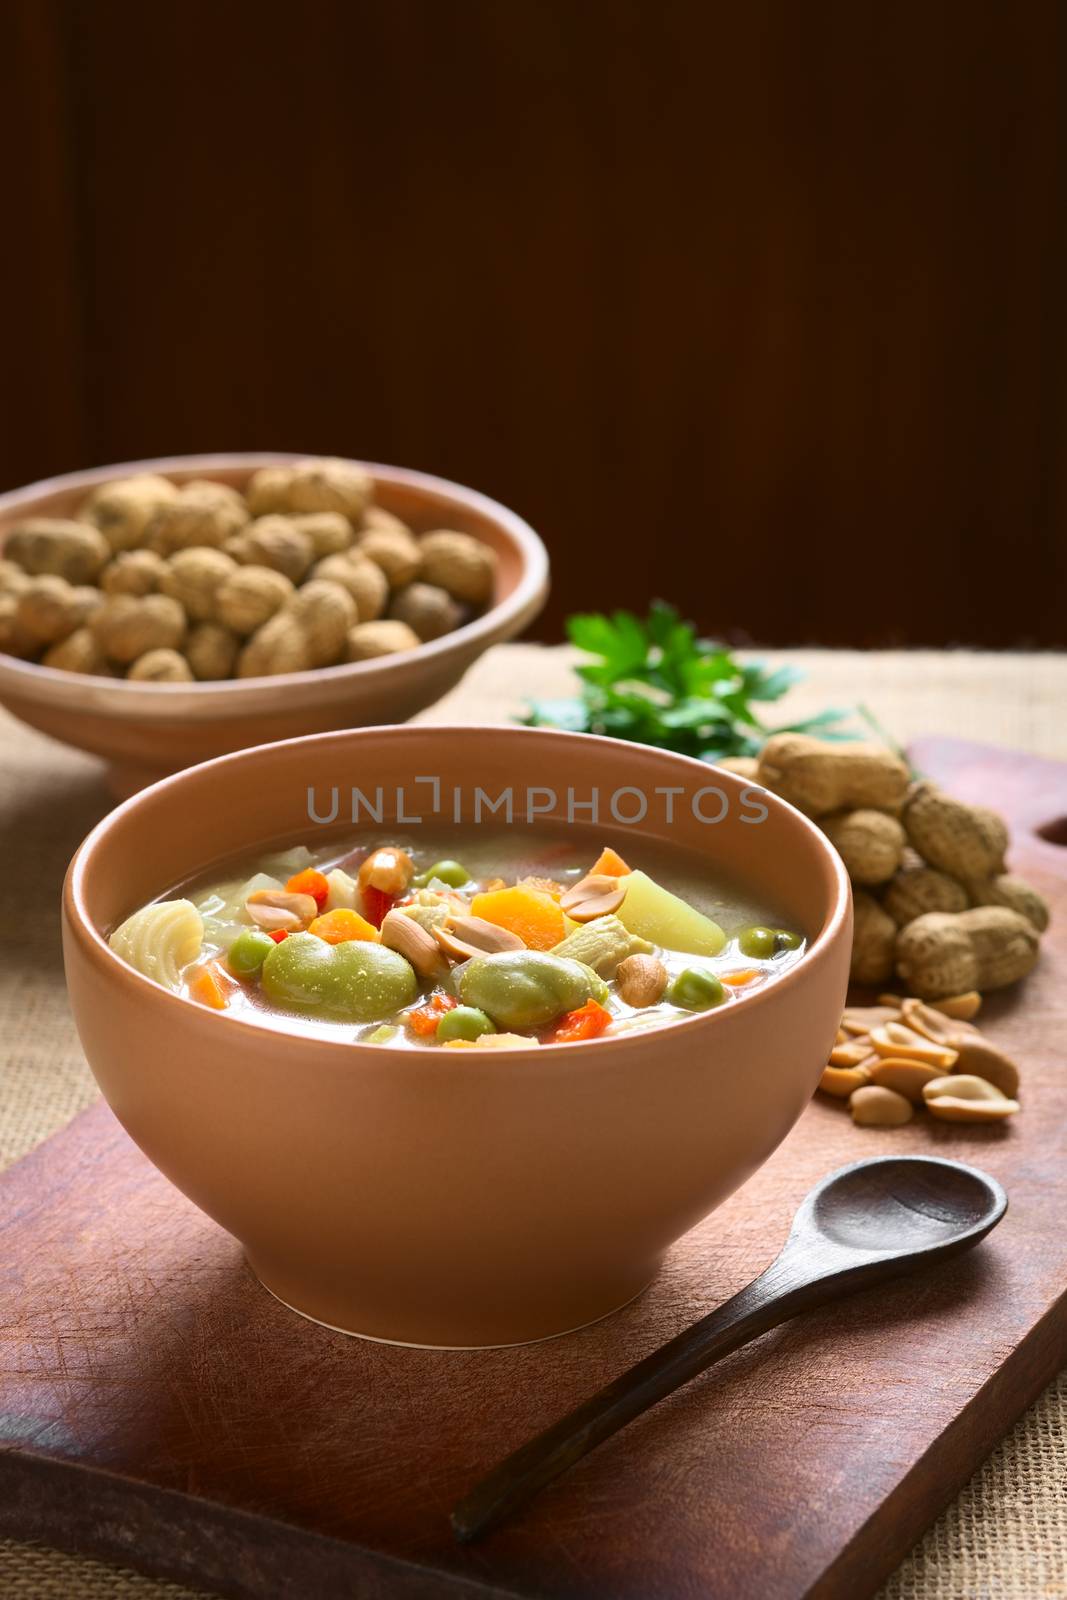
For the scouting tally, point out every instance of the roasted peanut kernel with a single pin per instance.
(895, 1039)
(595, 895)
(843, 1081)
(978, 1058)
(404, 935)
(908, 1078)
(961, 1006)
(965, 1098)
(861, 1019)
(934, 1024)
(851, 1052)
(641, 980)
(876, 1107)
(464, 936)
(275, 909)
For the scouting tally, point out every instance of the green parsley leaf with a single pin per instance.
(656, 683)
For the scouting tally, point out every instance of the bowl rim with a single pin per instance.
(99, 952)
(231, 693)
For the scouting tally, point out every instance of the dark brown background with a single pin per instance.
(759, 307)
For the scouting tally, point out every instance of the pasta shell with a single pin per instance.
(160, 940)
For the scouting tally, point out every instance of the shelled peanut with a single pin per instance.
(934, 904)
(890, 1059)
(164, 582)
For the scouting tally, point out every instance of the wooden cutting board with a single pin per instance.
(157, 1407)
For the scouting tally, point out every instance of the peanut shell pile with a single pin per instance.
(934, 904)
(168, 583)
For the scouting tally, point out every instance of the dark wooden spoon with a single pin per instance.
(863, 1225)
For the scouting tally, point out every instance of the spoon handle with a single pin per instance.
(871, 1222)
(776, 1295)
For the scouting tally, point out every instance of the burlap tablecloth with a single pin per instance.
(1005, 1536)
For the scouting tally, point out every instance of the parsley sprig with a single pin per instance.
(655, 682)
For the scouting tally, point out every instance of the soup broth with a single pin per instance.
(468, 938)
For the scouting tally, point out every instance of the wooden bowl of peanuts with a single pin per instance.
(159, 613)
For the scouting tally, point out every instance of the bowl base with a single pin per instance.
(414, 1344)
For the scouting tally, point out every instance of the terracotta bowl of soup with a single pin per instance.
(146, 729)
(460, 1197)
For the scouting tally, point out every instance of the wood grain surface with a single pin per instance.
(716, 296)
(158, 1407)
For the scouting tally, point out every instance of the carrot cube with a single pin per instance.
(338, 927)
(311, 882)
(205, 986)
(609, 864)
(533, 916)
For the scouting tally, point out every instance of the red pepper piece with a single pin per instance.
(424, 1019)
(376, 902)
(587, 1022)
(278, 934)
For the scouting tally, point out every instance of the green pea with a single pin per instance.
(757, 942)
(352, 982)
(454, 873)
(248, 951)
(696, 990)
(785, 940)
(464, 1022)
